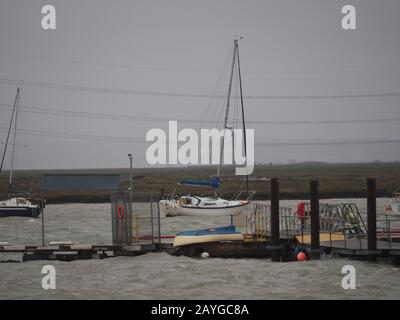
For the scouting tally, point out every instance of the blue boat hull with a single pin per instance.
(209, 231)
(20, 212)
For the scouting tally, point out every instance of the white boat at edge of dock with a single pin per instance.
(394, 206)
(202, 206)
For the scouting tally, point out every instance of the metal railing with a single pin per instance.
(242, 194)
(139, 224)
(338, 222)
(256, 222)
(388, 228)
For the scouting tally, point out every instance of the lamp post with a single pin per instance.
(130, 189)
(130, 181)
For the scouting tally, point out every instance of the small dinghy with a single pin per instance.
(227, 233)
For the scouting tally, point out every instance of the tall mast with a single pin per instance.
(9, 131)
(243, 123)
(14, 138)
(235, 47)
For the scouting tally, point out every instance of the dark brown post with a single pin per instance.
(275, 237)
(371, 215)
(314, 203)
(161, 193)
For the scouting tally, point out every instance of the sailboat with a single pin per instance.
(190, 205)
(16, 205)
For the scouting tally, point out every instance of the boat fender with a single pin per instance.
(301, 209)
(205, 255)
(120, 212)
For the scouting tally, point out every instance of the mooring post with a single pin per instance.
(161, 193)
(43, 206)
(151, 218)
(314, 204)
(371, 216)
(275, 237)
(159, 222)
(43, 242)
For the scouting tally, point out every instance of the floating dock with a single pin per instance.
(79, 251)
(231, 249)
(339, 229)
(272, 232)
(359, 248)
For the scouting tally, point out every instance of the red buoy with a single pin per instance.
(301, 256)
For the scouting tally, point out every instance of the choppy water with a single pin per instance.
(160, 276)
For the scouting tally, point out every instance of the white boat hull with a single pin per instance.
(171, 208)
(168, 208)
(393, 208)
(217, 211)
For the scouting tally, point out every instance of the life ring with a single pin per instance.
(120, 212)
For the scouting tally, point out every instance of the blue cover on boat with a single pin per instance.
(215, 183)
(204, 232)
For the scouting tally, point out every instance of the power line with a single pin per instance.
(307, 122)
(64, 135)
(327, 143)
(126, 117)
(114, 66)
(190, 69)
(60, 86)
(82, 114)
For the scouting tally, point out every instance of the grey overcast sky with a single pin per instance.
(101, 72)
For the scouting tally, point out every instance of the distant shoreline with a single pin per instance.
(342, 180)
(105, 198)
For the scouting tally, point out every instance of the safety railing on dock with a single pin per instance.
(256, 222)
(338, 222)
(135, 222)
(388, 228)
(348, 234)
(342, 224)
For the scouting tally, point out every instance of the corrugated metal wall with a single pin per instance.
(80, 182)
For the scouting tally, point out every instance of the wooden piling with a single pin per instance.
(371, 216)
(161, 193)
(275, 237)
(314, 211)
